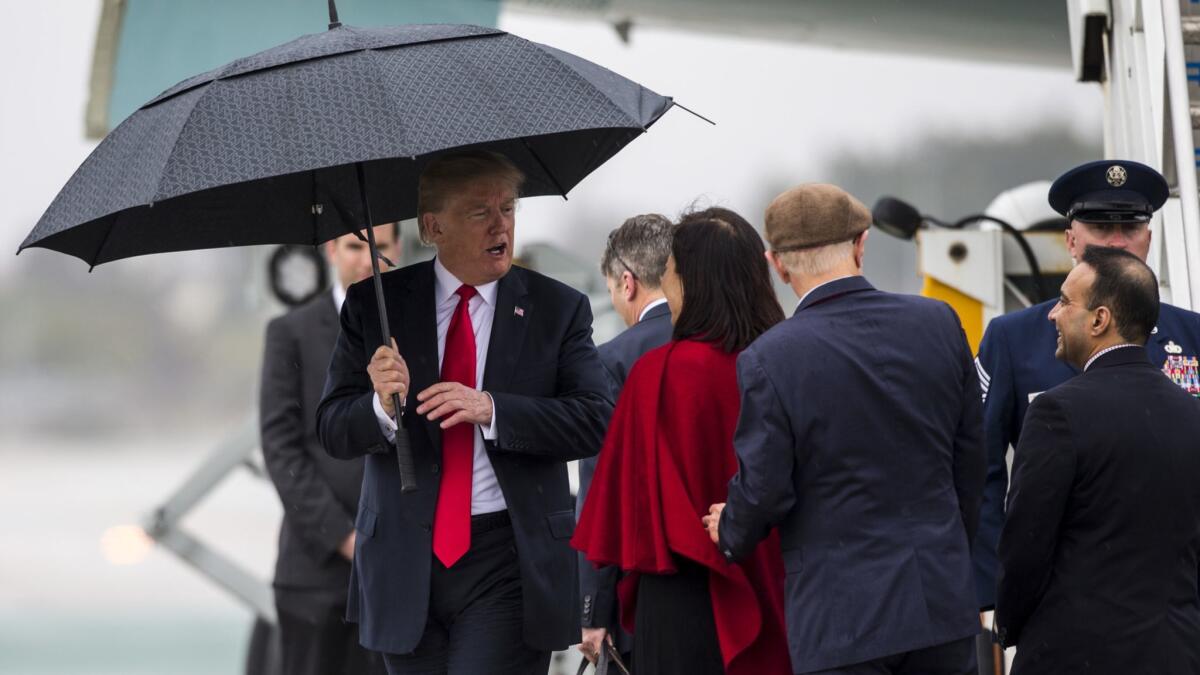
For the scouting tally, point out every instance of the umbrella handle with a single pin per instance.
(404, 457)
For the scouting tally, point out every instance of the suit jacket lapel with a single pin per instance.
(513, 313)
(416, 336)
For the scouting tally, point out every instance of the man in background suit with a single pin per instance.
(319, 494)
(472, 572)
(860, 438)
(633, 264)
(1100, 550)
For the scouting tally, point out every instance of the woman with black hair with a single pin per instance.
(669, 454)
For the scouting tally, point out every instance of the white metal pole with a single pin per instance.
(1185, 151)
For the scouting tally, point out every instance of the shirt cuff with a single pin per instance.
(386, 424)
(489, 432)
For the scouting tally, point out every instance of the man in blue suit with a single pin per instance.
(472, 572)
(633, 264)
(860, 439)
(1108, 203)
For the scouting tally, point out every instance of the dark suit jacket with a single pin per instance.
(860, 437)
(598, 587)
(551, 405)
(1100, 549)
(319, 493)
(1016, 361)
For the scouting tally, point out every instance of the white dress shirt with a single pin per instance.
(652, 305)
(1104, 351)
(486, 496)
(339, 296)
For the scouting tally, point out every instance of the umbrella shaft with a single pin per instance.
(408, 476)
(383, 317)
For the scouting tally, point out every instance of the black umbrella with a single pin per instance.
(284, 147)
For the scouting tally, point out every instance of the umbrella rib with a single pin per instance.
(313, 208)
(687, 109)
(175, 144)
(100, 249)
(580, 79)
(380, 256)
(545, 168)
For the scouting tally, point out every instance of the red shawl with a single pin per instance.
(668, 455)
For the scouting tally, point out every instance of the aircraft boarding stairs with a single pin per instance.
(1146, 56)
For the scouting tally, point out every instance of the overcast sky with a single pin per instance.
(781, 109)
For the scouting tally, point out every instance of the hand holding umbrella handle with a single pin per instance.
(404, 457)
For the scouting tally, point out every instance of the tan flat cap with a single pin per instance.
(814, 214)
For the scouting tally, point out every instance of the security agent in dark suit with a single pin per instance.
(1108, 203)
(319, 493)
(633, 263)
(860, 439)
(471, 573)
(1100, 551)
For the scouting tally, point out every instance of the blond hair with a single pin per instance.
(449, 173)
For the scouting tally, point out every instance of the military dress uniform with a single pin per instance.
(1016, 359)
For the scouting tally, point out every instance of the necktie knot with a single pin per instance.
(466, 292)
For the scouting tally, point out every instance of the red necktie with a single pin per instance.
(452, 519)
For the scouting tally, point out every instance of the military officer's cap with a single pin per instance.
(814, 215)
(1109, 191)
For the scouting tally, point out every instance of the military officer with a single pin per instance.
(1108, 203)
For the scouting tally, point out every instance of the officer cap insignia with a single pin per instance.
(1109, 191)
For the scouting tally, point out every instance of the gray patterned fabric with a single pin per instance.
(262, 150)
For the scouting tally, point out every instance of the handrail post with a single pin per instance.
(1185, 150)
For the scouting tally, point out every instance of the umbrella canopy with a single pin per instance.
(265, 150)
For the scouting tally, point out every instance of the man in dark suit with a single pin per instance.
(472, 572)
(860, 438)
(1108, 203)
(633, 264)
(1100, 550)
(319, 493)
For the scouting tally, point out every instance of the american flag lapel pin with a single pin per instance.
(519, 311)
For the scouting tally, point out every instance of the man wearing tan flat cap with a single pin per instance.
(860, 439)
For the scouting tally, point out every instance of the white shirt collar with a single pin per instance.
(652, 305)
(1104, 351)
(445, 284)
(825, 283)
(339, 295)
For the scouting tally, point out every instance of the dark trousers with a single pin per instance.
(316, 639)
(674, 632)
(951, 658)
(475, 612)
